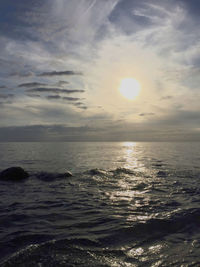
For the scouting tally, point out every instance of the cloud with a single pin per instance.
(64, 98)
(80, 105)
(53, 97)
(71, 98)
(59, 73)
(34, 95)
(3, 87)
(147, 114)
(6, 96)
(55, 90)
(33, 84)
(21, 74)
(112, 132)
(46, 133)
(2, 104)
(61, 83)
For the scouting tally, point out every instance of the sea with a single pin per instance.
(126, 204)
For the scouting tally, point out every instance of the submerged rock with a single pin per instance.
(161, 174)
(123, 170)
(97, 172)
(68, 174)
(47, 176)
(13, 174)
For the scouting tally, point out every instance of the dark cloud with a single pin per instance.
(80, 105)
(64, 98)
(83, 107)
(21, 74)
(181, 117)
(53, 97)
(3, 87)
(45, 133)
(71, 98)
(5, 102)
(33, 84)
(34, 95)
(59, 73)
(55, 90)
(6, 96)
(147, 114)
(117, 132)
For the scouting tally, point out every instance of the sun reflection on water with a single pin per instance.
(130, 155)
(129, 194)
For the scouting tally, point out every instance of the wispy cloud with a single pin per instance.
(55, 90)
(59, 73)
(34, 95)
(21, 74)
(71, 98)
(32, 84)
(53, 97)
(147, 114)
(64, 98)
(61, 83)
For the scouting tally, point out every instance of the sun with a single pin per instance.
(129, 88)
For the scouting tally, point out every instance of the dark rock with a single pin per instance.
(97, 172)
(123, 170)
(68, 174)
(161, 174)
(46, 176)
(13, 174)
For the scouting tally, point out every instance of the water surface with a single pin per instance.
(127, 204)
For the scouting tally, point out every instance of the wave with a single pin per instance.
(96, 213)
(86, 252)
(47, 176)
(155, 228)
(82, 252)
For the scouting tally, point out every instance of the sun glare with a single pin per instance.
(129, 88)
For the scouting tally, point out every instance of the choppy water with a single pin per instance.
(127, 204)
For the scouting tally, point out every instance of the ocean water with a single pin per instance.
(127, 204)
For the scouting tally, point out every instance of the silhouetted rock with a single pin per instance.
(68, 174)
(47, 176)
(13, 174)
(97, 172)
(161, 174)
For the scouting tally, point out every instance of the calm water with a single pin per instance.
(127, 204)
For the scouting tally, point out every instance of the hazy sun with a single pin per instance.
(129, 88)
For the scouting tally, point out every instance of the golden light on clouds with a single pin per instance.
(129, 88)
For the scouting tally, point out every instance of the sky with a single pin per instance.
(62, 62)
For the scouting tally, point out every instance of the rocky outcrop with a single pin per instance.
(47, 176)
(68, 174)
(13, 174)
